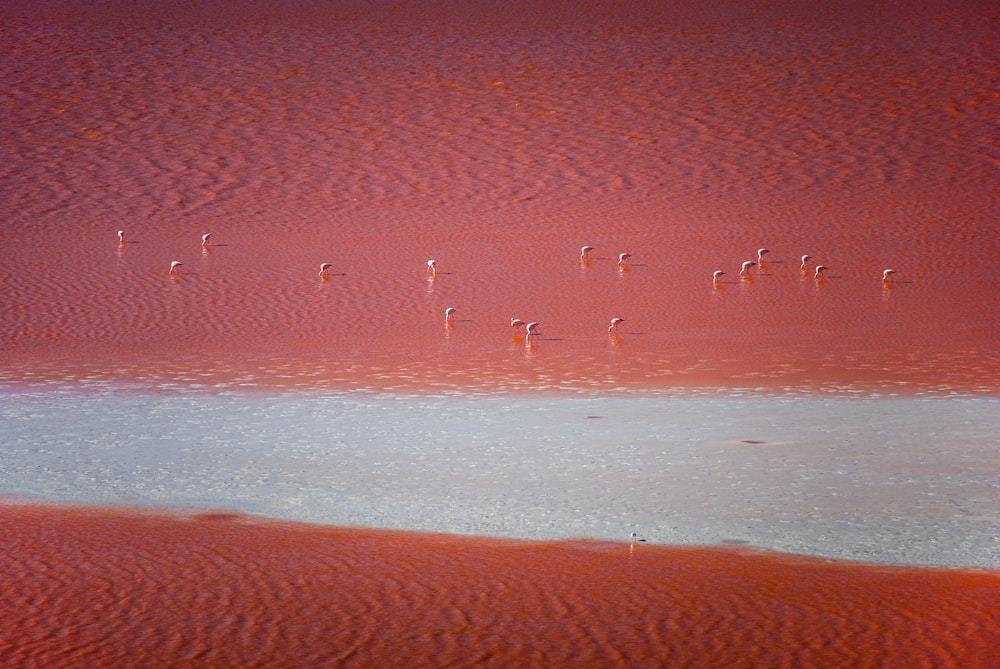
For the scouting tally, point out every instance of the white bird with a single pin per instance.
(623, 258)
(173, 267)
(449, 313)
(121, 236)
(819, 271)
(805, 259)
(532, 329)
(585, 252)
(614, 324)
(745, 269)
(760, 254)
(887, 275)
(432, 267)
(205, 237)
(716, 274)
(516, 322)
(323, 267)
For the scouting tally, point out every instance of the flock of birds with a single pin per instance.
(817, 271)
(531, 328)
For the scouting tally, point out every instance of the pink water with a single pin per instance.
(496, 139)
(498, 142)
(123, 589)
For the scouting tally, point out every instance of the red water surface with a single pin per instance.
(85, 587)
(498, 141)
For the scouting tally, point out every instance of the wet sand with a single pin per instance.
(498, 142)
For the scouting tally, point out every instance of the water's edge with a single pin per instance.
(879, 480)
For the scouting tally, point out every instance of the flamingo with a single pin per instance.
(819, 271)
(532, 329)
(173, 267)
(623, 258)
(585, 252)
(432, 267)
(322, 269)
(887, 275)
(614, 324)
(121, 237)
(205, 237)
(715, 276)
(745, 270)
(760, 254)
(449, 313)
(516, 322)
(805, 259)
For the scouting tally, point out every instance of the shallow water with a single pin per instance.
(299, 133)
(115, 588)
(908, 481)
(376, 136)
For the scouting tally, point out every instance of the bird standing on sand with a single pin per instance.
(745, 269)
(531, 329)
(323, 267)
(173, 267)
(819, 271)
(585, 252)
(715, 276)
(615, 322)
(760, 254)
(887, 275)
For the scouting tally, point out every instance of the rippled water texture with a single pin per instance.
(498, 141)
(220, 590)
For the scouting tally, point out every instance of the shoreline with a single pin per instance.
(19, 505)
(105, 586)
(861, 479)
(500, 365)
